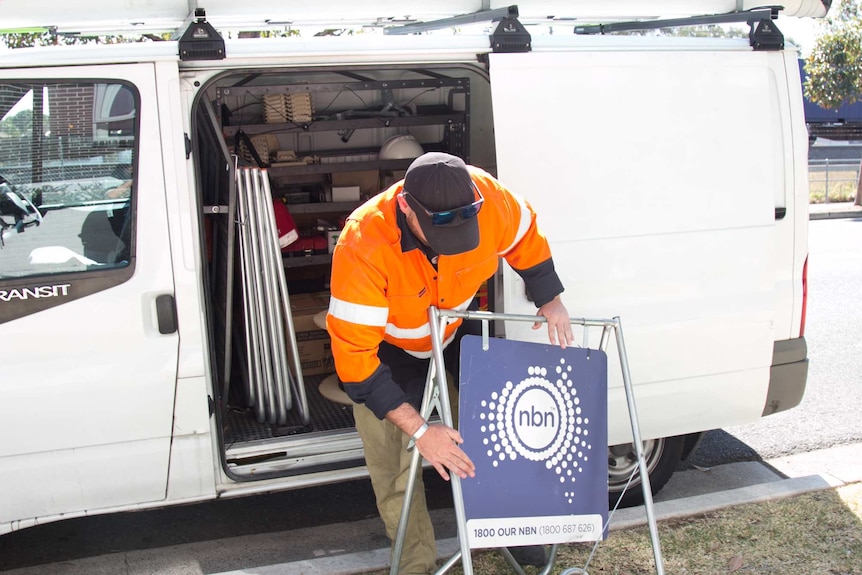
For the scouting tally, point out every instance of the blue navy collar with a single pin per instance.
(409, 241)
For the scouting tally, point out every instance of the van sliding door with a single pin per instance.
(654, 174)
(89, 349)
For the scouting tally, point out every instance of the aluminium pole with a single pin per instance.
(638, 444)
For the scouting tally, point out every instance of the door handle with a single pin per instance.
(166, 312)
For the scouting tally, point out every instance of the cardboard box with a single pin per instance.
(315, 348)
(367, 180)
(345, 193)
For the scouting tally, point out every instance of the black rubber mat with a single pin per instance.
(240, 425)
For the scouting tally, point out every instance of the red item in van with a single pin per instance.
(284, 224)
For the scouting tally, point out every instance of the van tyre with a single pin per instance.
(662, 457)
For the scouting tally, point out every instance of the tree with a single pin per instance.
(30, 39)
(834, 66)
(18, 125)
(698, 31)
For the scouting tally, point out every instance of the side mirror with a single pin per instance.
(18, 206)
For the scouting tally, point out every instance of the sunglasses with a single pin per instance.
(446, 217)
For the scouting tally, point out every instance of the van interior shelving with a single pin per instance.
(347, 115)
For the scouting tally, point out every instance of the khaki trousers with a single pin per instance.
(388, 464)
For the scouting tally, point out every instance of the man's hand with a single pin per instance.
(439, 445)
(559, 324)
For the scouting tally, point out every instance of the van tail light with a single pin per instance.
(804, 297)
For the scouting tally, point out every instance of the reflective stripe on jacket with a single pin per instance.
(382, 285)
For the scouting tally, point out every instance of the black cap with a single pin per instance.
(441, 182)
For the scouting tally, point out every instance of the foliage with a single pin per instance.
(17, 125)
(704, 31)
(50, 38)
(286, 33)
(30, 39)
(834, 66)
(335, 32)
(708, 31)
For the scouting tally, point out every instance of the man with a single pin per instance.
(431, 239)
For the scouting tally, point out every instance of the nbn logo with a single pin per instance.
(536, 415)
(536, 418)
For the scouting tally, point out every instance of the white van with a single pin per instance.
(670, 175)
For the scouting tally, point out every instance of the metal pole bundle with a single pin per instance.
(272, 389)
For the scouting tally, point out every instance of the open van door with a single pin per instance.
(625, 155)
(88, 334)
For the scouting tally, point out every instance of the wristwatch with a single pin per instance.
(419, 432)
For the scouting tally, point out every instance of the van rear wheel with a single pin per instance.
(662, 456)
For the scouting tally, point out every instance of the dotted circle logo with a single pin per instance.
(539, 420)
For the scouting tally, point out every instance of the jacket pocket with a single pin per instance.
(471, 278)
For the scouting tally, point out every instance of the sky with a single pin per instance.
(802, 30)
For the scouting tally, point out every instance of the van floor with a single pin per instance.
(241, 426)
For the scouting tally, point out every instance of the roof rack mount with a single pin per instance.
(201, 41)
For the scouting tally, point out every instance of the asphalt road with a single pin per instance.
(828, 415)
(830, 411)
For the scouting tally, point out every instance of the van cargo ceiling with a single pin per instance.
(174, 15)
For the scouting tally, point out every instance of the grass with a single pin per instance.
(818, 533)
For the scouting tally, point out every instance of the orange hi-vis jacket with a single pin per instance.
(382, 283)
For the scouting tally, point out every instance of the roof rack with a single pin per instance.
(509, 36)
(764, 35)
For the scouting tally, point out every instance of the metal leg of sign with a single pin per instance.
(436, 397)
(552, 558)
(438, 325)
(510, 559)
(430, 401)
(516, 567)
(636, 439)
(398, 548)
(449, 562)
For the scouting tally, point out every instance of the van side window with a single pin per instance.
(67, 157)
